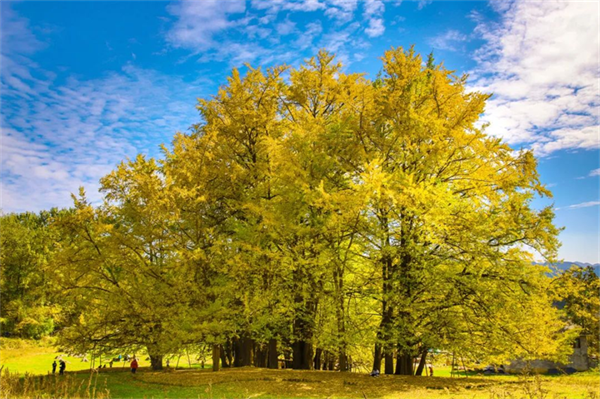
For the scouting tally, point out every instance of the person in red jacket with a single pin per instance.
(134, 365)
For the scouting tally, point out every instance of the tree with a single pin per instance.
(29, 309)
(577, 291)
(450, 220)
(316, 213)
(119, 265)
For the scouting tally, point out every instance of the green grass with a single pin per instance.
(263, 383)
(38, 360)
(32, 357)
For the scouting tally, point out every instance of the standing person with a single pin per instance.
(430, 370)
(63, 366)
(54, 366)
(134, 365)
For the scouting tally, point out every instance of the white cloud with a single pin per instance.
(311, 31)
(212, 33)
(541, 63)
(276, 6)
(584, 205)
(341, 10)
(595, 172)
(373, 14)
(423, 3)
(17, 34)
(199, 21)
(344, 42)
(59, 136)
(69, 135)
(375, 28)
(448, 41)
(254, 31)
(286, 27)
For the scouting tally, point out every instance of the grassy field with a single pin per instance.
(263, 383)
(26, 357)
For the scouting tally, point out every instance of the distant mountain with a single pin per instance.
(567, 265)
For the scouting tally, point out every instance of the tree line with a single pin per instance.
(313, 215)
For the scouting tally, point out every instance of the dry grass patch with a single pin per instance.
(326, 384)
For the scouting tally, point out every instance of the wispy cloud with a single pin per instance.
(584, 205)
(59, 136)
(373, 14)
(423, 3)
(212, 32)
(286, 27)
(595, 172)
(341, 10)
(197, 22)
(450, 40)
(276, 6)
(541, 63)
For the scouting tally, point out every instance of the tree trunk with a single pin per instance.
(422, 362)
(237, 352)
(303, 355)
(224, 362)
(156, 362)
(216, 356)
(272, 364)
(343, 361)
(387, 310)
(156, 357)
(287, 359)
(338, 277)
(349, 363)
(245, 345)
(377, 358)
(260, 355)
(389, 361)
(228, 348)
(248, 351)
(404, 364)
(317, 361)
(302, 348)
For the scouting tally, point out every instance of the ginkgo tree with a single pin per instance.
(119, 267)
(450, 219)
(318, 215)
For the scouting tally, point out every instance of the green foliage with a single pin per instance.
(29, 307)
(577, 289)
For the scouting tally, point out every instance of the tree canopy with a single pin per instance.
(320, 216)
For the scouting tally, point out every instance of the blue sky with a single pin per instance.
(87, 84)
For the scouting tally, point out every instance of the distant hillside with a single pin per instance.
(567, 265)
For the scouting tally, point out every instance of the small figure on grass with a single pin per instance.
(54, 366)
(430, 370)
(62, 366)
(134, 365)
(374, 373)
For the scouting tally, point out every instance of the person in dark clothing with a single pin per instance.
(62, 367)
(54, 367)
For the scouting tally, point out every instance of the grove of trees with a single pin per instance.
(313, 215)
